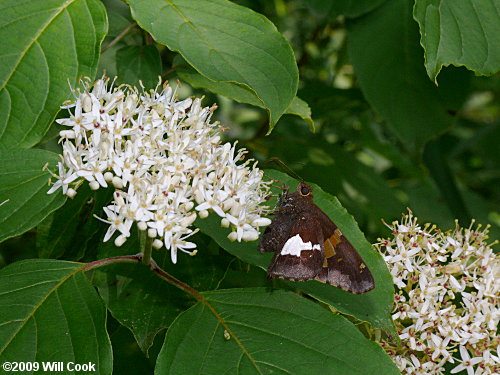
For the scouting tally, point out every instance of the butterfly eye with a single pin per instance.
(305, 190)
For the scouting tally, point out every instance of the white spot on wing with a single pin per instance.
(295, 245)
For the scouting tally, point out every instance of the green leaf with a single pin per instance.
(23, 189)
(384, 50)
(262, 332)
(239, 93)
(300, 108)
(135, 296)
(44, 44)
(143, 302)
(436, 161)
(136, 63)
(346, 8)
(127, 356)
(55, 234)
(374, 306)
(85, 240)
(119, 18)
(50, 312)
(463, 32)
(140, 300)
(352, 176)
(226, 42)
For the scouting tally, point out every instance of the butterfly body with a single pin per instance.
(309, 246)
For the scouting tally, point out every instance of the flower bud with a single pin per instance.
(261, 222)
(157, 244)
(198, 197)
(188, 206)
(224, 223)
(228, 204)
(188, 220)
(117, 182)
(71, 193)
(233, 236)
(250, 236)
(235, 209)
(94, 185)
(87, 103)
(120, 240)
(108, 176)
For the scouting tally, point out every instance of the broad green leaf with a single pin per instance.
(300, 108)
(435, 157)
(374, 306)
(119, 18)
(127, 356)
(355, 179)
(384, 50)
(50, 312)
(135, 296)
(143, 302)
(327, 101)
(136, 63)
(258, 331)
(55, 234)
(140, 300)
(45, 44)
(89, 228)
(465, 32)
(238, 93)
(346, 8)
(225, 42)
(23, 190)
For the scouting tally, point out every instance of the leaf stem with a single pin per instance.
(137, 258)
(199, 297)
(140, 258)
(119, 37)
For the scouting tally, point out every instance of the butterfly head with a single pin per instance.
(304, 190)
(301, 197)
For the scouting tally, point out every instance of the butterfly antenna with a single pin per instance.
(285, 167)
(282, 185)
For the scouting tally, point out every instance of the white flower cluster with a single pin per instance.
(164, 159)
(447, 299)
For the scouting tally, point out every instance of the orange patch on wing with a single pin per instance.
(329, 248)
(335, 238)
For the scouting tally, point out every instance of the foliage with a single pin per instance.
(381, 105)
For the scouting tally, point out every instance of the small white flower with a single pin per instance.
(467, 363)
(441, 347)
(116, 222)
(63, 180)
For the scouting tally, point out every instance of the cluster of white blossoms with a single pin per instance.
(165, 160)
(447, 299)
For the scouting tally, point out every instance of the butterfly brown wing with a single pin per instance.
(301, 256)
(277, 233)
(342, 266)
